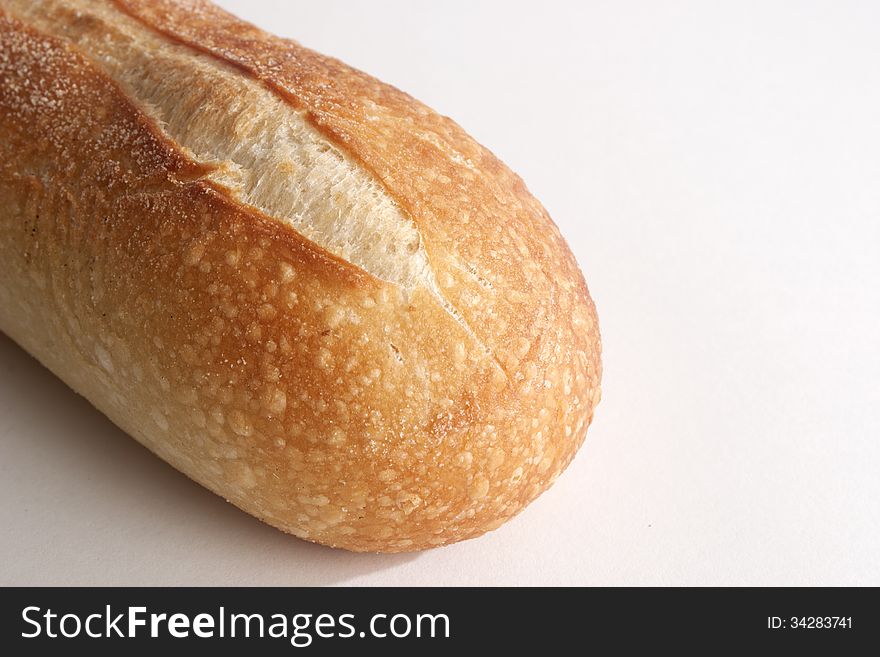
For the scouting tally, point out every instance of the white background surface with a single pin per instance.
(716, 169)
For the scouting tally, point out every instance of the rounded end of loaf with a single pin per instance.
(490, 443)
(334, 406)
(349, 411)
(404, 427)
(494, 461)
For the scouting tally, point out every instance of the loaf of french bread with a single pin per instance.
(297, 285)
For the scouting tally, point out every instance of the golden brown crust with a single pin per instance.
(324, 401)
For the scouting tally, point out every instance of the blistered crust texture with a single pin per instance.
(332, 404)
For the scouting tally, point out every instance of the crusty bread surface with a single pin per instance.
(296, 284)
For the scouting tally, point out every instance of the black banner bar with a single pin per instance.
(432, 621)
